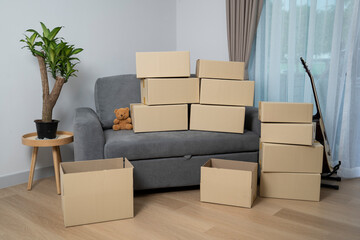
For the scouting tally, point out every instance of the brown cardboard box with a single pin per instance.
(162, 64)
(220, 69)
(287, 133)
(284, 112)
(229, 182)
(159, 118)
(156, 91)
(96, 191)
(291, 158)
(300, 186)
(217, 118)
(227, 92)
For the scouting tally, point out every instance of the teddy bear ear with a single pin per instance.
(115, 110)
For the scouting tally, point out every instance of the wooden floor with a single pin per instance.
(37, 214)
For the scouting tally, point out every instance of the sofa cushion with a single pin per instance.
(115, 92)
(135, 146)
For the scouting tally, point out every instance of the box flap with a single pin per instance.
(232, 164)
(92, 165)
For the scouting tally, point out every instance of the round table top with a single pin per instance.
(63, 138)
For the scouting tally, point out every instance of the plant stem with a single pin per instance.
(46, 111)
(55, 92)
(49, 100)
(44, 77)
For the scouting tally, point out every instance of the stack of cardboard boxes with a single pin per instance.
(290, 159)
(223, 96)
(166, 91)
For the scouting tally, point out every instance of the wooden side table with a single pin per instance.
(63, 138)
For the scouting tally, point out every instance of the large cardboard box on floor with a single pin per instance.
(284, 112)
(229, 182)
(287, 133)
(162, 64)
(220, 69)
(276, 157)
(159, 118)
(300, 186)
(227, 92)
(155, 91)
(96, 191)
(217, 118)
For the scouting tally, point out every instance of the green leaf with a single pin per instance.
(36, 52)
(53, 45)
(46, 31)
(67, 51)
(46, 42)
(59, 48)
(77, 50)
(52, 55)
(32, 38)
(54, 32)
(38, 44)
(68, 66)
(71, 59)
(33, 31)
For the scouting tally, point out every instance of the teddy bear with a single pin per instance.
(122, 120)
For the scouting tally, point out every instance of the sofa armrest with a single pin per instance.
(252, 121)
(89, 136)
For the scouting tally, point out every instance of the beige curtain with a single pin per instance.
(242, 18)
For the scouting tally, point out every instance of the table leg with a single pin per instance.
(56, 159)
(32, 168)
(59, 154)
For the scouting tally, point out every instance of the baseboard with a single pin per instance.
(22, 177)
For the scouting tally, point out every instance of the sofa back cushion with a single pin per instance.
(115, 92)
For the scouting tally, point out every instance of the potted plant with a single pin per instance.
(58, 57)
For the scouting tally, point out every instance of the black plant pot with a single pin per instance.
(46, 129)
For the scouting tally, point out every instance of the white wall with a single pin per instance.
(201, 28)
(109, 31)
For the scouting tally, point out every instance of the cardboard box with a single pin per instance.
(217, 118)
(96, 191)
(156, 91)
(300, 186)
(287, 133)
(220, 69)
(162, 64)
(227, 92)
(291, 158)
(159, 118)
(229, 182)
(284, 112)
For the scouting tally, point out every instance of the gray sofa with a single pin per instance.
(160, 159)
